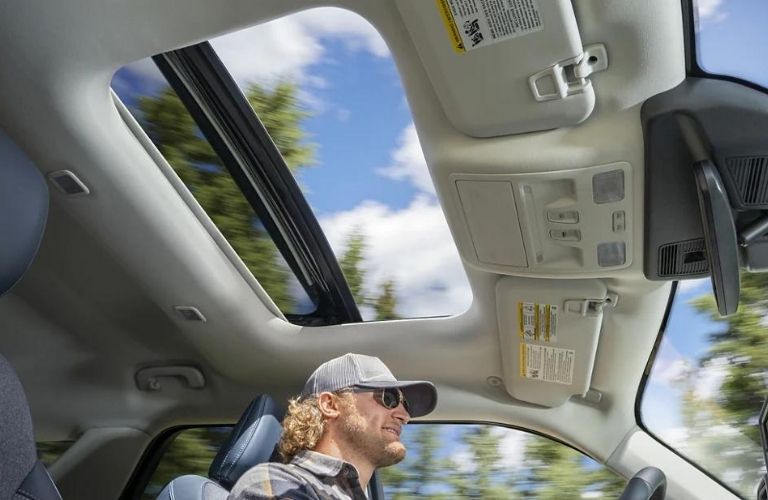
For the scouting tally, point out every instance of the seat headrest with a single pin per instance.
(251, 442)
(23, 212)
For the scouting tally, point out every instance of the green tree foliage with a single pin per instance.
(282, 116)
(386, 303)
(351, 263)
(727, 422)
(486, 478)
(744, 343)
(555, 471)
(50, 451)
(190, 452)
(173, 131)
(469, 465)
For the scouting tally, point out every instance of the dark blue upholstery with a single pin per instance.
(251, 442)
(23, 212)
(193, 488)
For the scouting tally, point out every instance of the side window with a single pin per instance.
(492, 462)
(190, 451)
(50, 451)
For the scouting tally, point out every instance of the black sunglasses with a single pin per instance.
(390, 397)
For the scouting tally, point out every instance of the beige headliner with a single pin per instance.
(97, 302)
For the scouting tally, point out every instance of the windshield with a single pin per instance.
(708, 382)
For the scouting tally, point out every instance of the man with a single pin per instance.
(345, 424)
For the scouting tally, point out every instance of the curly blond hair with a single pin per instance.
(303, 425)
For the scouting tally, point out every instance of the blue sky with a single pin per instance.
(355, 139)
(371, 174)
(732, 38)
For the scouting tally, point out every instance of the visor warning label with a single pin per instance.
(472, 24)
(537, 322)
(548, 364)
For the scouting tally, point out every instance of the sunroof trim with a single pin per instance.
(247, 151)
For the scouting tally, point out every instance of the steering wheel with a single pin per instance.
(648, 484)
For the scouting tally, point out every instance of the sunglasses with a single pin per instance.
(390, 397)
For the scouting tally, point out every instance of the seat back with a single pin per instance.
(251, 442)
(23, 212)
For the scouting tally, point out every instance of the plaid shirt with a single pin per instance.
(309, 476)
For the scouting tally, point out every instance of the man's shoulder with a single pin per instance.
(273, 480)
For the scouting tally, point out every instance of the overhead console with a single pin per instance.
(573, 222)
(503, 67)
(706, 185)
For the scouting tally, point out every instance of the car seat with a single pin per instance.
(23, 213)
(251, 442)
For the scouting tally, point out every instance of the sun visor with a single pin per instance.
(549, 330)
(503, 67)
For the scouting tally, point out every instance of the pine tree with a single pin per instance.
(351, 263)
(386, 302)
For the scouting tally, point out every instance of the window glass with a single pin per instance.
(443, 461)
(485, 461)
(325, 86)
(731, 38)
(50, 451)
(708, 382)
(169, 125)
(191, 451)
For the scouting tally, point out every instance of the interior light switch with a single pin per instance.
(611, 254)
(619, 221)
(565, 234)
(563, 216)
(608, 187)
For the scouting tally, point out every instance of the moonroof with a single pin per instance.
(171, 128)
(326, 88)
(731, 38)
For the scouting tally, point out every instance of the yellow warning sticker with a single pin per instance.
(548, 364)
(472, 24)
(450, 25)
(537, 322)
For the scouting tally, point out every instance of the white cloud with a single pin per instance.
(677, 437)
(672, 372)
(512, 447)
(710, 377)
(412, 246)
(464, 460)
(710, 11)
(408, 162)
(288, 46)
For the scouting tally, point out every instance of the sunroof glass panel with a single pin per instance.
(360, 164)
(143, 89)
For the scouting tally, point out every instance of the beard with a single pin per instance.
(381, 452)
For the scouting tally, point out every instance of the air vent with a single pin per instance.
(68, 183)
(684, 258)
(750, 176)
(190, 313)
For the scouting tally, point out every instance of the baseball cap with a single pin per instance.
(359, 370)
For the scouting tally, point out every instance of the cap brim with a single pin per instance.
(421, 395)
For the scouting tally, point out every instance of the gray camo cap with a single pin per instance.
(359, 370)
